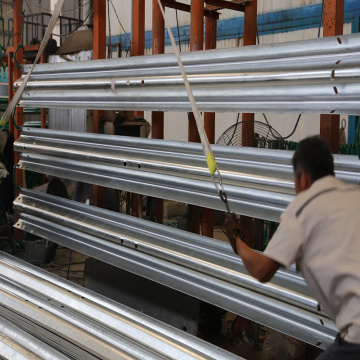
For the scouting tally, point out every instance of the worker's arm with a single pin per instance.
(259, 266)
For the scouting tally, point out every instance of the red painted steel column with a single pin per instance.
(250, 28)
(157, 126)
(99, 45)
(99, 42)
(196, 43)
(11, 82)
(333, 26)
(19, 114)
(43, 111)
(209, 120)
(138, 33)
(138, 48)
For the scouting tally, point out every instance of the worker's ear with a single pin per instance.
(305, 180)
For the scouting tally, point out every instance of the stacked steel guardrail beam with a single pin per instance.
(198, 266)
(258, 182)
(313, 76)
(45, 317)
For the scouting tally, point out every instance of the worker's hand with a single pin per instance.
(233, 230)
(3, 172)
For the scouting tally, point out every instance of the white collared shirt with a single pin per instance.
(320, 230)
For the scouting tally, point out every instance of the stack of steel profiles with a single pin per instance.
(258, 182)
(201, 267)
(50, 318)
(313, 76)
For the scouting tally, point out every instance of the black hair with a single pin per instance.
(314, 156)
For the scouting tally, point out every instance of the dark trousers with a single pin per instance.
(341, 350)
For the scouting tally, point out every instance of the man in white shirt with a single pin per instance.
(320, 231)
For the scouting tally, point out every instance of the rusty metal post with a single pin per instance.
(11, 82)
(99, 42)
(209, 120)
(138, 49)
(43, 111)
(250, 29)
(333, 26)
(157, 126)
(19, 114)
(196, 43)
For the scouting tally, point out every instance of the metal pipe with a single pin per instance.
(297, 52)
(157, 117)
(121, 319)
(135, 255)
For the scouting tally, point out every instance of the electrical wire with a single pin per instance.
(59, 35)
(109, 45)
(282, 137)
(63, 11)
(127, 36)
(178, 29)
(236, 125)
(321, 16)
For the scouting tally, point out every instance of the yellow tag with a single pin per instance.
(211, 163)
(2, 122)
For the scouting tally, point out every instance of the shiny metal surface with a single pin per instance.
(106, 329)
(201, 267)
(314, 76)
(19, 344)
(258, 182)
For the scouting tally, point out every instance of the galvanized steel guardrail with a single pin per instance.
(313, 76)
(199, 266)
(258, 182)
(45, 317)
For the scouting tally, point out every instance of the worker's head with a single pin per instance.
(312, 160)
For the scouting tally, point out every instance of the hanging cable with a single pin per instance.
(127, 36)
(210, 159)
(22, 12)
(357, 140)
(16, 166)
(178, 29)
(236, 125)
(321, 16)
(109, 45)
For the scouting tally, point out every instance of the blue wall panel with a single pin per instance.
(301, 18)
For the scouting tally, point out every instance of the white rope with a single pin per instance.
(5, 118)
(210, 159)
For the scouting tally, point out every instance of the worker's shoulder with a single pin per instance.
(323, 191)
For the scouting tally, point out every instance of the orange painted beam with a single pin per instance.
(99, 44)
(157, 117)
(250, 28)
(196, 43)
(43, 60)
(209, 121)
(333, 26)
(11, 83)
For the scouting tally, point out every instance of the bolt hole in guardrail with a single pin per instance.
(139, 166)
(338, 62)
(321, 322)
(332, 111)
(333, 74)
(318, 343)
(136, 246)
(142, 82)
(124, 163)
(339, 40)
(336, 90)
